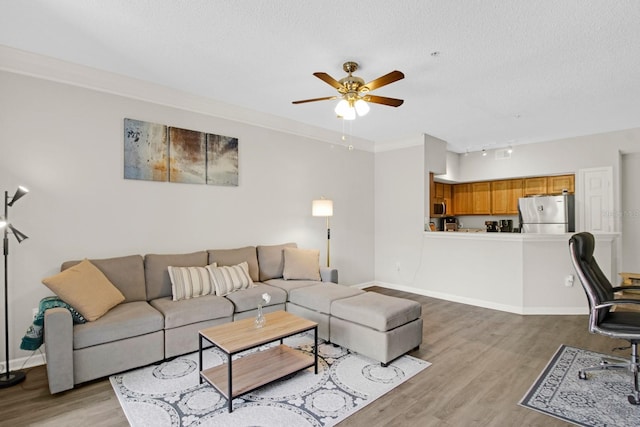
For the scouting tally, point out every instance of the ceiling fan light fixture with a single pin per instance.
(362, 108)
(350, 114)
(342, 108)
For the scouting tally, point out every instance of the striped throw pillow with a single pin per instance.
(229, 279)
(190, 282)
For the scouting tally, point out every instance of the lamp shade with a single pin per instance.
(362, 108)
(322, 207)
(21, 191)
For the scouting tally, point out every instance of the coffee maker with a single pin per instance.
(505, 225)
(492, 226)
(449, 224)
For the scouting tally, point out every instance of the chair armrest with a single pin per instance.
(58, 341)
(621, 301)
(626, 288)
(328, 274)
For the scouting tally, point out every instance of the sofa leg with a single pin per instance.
(384, 365)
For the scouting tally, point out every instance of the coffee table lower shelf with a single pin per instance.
(257, 369)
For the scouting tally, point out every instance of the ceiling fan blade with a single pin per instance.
(393, 76)
(392, 102)
(315, 99)
(329, 80)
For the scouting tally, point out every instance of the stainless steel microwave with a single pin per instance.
(440, 208)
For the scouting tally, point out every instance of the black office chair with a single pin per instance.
(601, 296)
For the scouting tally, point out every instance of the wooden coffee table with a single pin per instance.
(247, 373)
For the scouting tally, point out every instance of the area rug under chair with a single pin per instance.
(168, 394)
(601, 400)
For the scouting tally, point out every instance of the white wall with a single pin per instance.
(398, 237)
(630, 214)
(399, 206)
(65, 143)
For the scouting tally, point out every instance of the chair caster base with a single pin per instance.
(633, 400)
(582, 375)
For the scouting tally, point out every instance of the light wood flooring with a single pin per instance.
(484, 361)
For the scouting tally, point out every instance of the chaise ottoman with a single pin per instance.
(378, 326)
(314, 303)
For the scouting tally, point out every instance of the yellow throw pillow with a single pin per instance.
(85, 288)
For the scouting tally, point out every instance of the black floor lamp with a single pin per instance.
(9, 378)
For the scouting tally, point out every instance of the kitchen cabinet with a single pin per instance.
(556, 184)
(535, 186)
(441, 193)
(481, 192)
(499, 197)
(505, 195)
(472, 198)
(462, 199)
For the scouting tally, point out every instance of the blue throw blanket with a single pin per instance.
(34, 336)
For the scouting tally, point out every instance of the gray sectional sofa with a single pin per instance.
(149, 326)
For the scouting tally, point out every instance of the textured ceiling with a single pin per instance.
(507, 71)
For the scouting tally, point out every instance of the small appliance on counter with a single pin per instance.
(492, 226)
(449, 224)
(505, 225)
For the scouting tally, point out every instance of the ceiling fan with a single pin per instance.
(354, 92)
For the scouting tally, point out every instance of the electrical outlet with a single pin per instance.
(568, 280)
(397, 265)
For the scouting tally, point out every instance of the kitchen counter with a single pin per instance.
(481, 234)
(519, 273)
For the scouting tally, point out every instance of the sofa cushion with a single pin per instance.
(248, 299)
(125, 273)
(301, 264)
(289, 285)
(189, 282)
(271, 260)
(157, 274)
(319, 297)
(85, 288)
(186, 312)
(236, 256)
(230, 279)
(129, 319)
(377, 311)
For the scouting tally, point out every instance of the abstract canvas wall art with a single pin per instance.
(146, 151)
(157, 152)
(187, 156)
(222, 160)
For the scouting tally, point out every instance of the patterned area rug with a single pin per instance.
(168, 394)
(601, 400)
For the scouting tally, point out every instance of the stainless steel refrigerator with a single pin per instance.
(547, 214)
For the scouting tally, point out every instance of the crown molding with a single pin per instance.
(52, 69)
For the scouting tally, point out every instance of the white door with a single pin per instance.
(596, 194)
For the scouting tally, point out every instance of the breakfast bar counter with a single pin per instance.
(519, 273)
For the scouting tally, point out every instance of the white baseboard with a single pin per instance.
(486, 304)
(36, 359)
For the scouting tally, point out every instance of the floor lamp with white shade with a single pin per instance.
(324, 208)
(9, 378)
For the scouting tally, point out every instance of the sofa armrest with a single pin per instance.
(328, 274)
(58, 340)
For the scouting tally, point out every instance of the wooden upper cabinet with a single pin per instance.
(462, 199)
(448, 198)
(501, 197)
(481, 197)
(535, 186)
(505, 195)
(556, 184)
